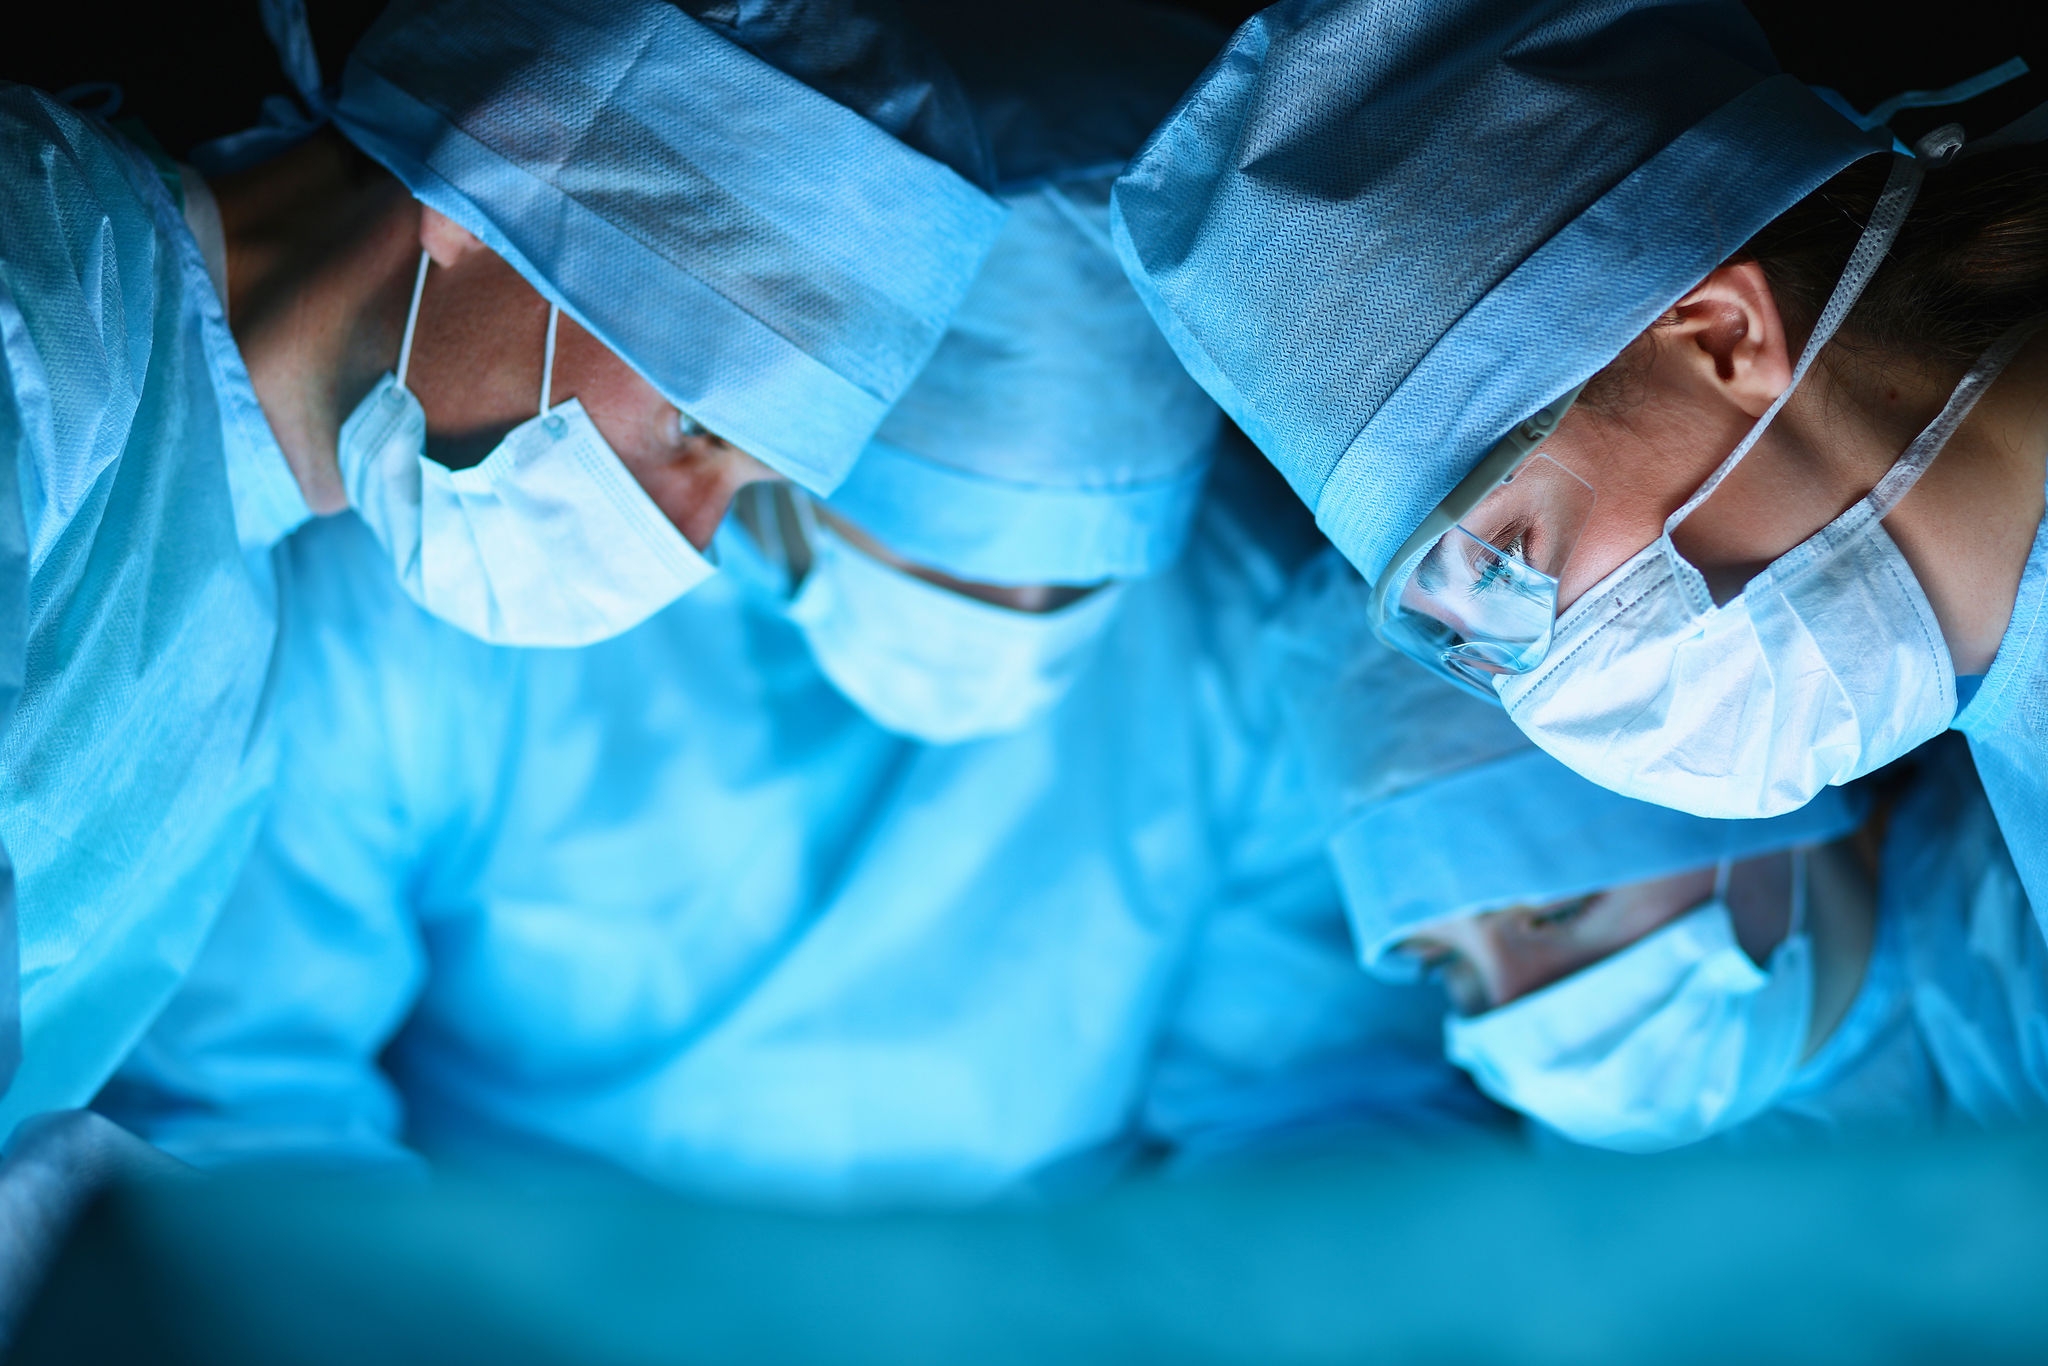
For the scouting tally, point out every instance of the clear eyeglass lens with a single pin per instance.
(1482, 601)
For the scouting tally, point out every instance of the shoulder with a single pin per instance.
(88, 292)
(71, 192)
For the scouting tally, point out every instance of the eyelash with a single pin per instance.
(1496, 565)
(1560, 915)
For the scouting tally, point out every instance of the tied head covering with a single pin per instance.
(776, 264)
(1054, 437)
(1383, 232)
(1440, 807)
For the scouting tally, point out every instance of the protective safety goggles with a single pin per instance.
(1472, 594)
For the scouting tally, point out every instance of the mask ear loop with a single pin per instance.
(412, 318)
(1889, 215)
(547, 363)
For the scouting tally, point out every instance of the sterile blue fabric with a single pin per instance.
(863, 55)
(1054, 437)
(1976, 959)
(1362, 226)
(136, 763)
(1949, 1029)
(669, 903)
(2007, 722)
(776, 265)
(1874, 1074)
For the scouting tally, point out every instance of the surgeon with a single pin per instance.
(1636, 978)
(869, 871)
(543, 272)
(1619, 363)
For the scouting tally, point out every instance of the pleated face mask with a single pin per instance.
(928, 662)
(1673, 1038)
(548, 541)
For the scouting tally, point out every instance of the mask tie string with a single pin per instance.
(547, 363)
(412, 317)
(1901, 188)
(1721, 871)
(1906, 471)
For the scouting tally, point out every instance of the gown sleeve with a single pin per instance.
(271, 1051)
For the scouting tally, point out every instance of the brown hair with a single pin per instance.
(1970, 262)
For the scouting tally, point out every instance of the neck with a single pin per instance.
(1968, 527)
(320, 251)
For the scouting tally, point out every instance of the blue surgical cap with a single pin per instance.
(1055, 437)
(1524, 830)
(775, 264)
(1383, 232)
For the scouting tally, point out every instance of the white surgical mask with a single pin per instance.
(548, 541)
(1673, 1038)
(1829, 664)
(933, 664)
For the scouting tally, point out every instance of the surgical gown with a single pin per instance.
(151, 492)
(2007, 722)
(1950, 1026)
(671, 903)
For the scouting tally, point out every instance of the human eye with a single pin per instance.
(1499, 556)
(1559, 915)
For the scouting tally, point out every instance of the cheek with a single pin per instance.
(692, 480)
(476, 358)
(1638, 479)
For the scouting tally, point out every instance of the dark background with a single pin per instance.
(200, 69)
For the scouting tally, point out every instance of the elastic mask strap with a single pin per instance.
(1721, 871)
(1900, 189)
(412, 317)
(547, 362)
(1899, 480)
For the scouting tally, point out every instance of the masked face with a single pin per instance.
(1632, 1019)
(548, 540)
(935, 661)
(1827, 663)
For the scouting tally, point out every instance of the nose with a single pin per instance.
(694, 483)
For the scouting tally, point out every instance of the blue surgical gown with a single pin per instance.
(150, 494)
(2007, 722)
(1950, 1026)
(670, 903)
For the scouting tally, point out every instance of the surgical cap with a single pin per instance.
(1055, 437)
(777, 266)
(1383, 232)
(1438, 806)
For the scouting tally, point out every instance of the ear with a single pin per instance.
(444, 239)
(1727, 330)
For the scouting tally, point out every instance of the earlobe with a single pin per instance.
(1730, 327)
(445, 240)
